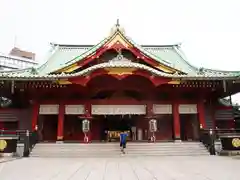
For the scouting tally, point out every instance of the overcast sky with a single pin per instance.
(209, 30)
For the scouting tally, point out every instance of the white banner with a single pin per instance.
(188, 109)
(49, 109)
(118, 109)
(74, 109)
(162, 109)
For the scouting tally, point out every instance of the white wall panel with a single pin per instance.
(49, 109)
(162, 109)
(118, 109)
(188, 109)
(74, 109)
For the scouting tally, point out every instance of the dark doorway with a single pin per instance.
(112, 125)
(189, 127)
(7, 125)
(164, 128)
(73, 128)
(47, 127)
(237, 124)
(225, 124)
(120, 123)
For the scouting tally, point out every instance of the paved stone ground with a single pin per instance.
(147, 168)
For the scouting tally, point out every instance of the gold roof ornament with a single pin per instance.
(116, 28)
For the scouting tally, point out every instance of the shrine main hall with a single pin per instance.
(117, 85)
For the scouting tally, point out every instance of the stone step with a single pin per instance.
(117, 147)
(113, 149)
(116, 155)
(113, 144)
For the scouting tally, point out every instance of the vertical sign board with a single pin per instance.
(8, 144)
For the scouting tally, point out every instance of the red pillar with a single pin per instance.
(35, 113)
(213, 109)
(88, 115)
(176, 120)
(201, 113)
(60, 122)
(145, 124)
(88, 109)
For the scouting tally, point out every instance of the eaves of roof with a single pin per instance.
(18, 76)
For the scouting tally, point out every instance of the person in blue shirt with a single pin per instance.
(123, 141)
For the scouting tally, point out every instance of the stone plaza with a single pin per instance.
(141, 168)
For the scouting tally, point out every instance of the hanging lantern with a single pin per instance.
(153, 125)
(85, 125)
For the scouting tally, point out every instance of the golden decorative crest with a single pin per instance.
(3, 144)
(120, 71)
(236, 142)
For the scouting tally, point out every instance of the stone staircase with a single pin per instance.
(113, 150)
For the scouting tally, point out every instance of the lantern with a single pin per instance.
(85, 125)
(153, 125)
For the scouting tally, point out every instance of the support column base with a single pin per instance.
(177, 140)
(59, 138)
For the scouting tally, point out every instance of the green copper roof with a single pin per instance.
(61, 56)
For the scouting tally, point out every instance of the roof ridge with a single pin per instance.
(91, 45)
(68, 62)
(50, 53)
(181, 53)
(151, 54)
(183, 57)
(218, 70)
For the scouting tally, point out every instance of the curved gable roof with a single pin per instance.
(77, 53)
(62, 55)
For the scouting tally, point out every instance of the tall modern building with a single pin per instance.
(17, 59)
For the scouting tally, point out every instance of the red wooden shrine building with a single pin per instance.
(116, 85)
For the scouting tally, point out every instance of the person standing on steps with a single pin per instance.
(123, 141)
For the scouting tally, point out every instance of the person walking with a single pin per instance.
(123, 141)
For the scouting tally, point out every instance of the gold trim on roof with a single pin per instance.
(69, 69)
(120, 71)
(118, 38)
(165, 69)
(62, 81)
(174, 82)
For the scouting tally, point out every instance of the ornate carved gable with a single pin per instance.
(116, 43)
(119, 58)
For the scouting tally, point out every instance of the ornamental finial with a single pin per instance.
(118, 24)
(117, 27)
